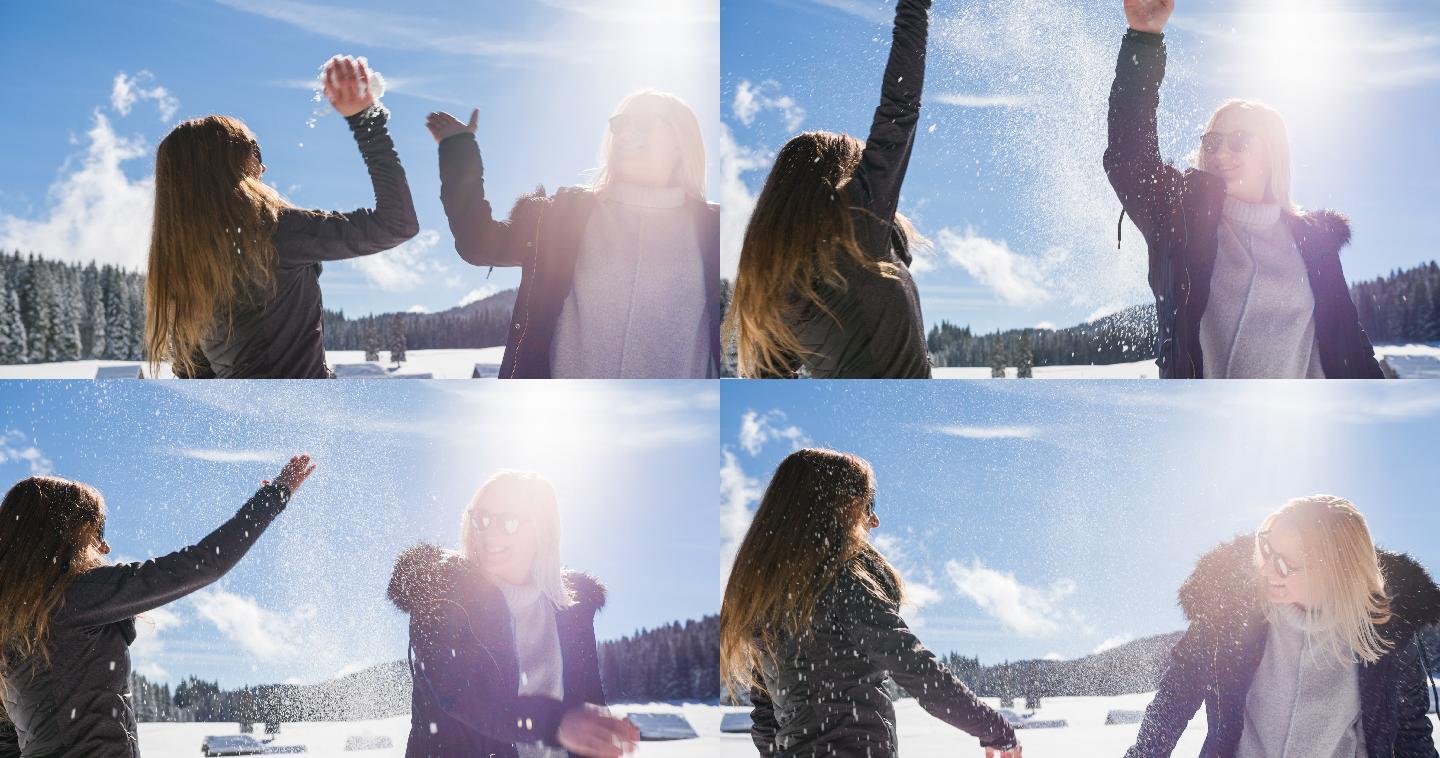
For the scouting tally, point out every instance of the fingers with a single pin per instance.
(474, 120)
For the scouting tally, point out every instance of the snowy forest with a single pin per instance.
(51, 311)
(1399, 308)
(679, 661)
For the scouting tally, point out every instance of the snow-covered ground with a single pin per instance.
(1086, 734)
(327, 739)
(921, 735)
(439, 364)
(1415, 361)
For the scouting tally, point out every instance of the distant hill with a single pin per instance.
(483, 323)
(678, 661)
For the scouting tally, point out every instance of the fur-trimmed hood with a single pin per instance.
(1223, 588)
(426, 574)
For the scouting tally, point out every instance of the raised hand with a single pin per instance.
(1148, 15)
(296, 471)
(442, 125)
(347, 85)
(592, 732)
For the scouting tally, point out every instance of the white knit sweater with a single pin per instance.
(1259, 322)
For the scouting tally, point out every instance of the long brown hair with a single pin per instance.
(800, 228)
(210, 248)
(803, 535)
(50, 532)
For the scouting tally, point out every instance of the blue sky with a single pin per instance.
(1060, 518)
(397, 463)
(1007, 177)
(545, 74)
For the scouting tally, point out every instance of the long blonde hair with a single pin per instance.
(210, 249)
(1349, 600)
(50, 533)
(543, 509)
(803, 535)
(677, 115)
(1267, 124)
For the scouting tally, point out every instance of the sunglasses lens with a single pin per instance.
(484, 522)
(512, 525)
(1210, 142)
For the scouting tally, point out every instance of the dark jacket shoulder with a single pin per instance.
(426, 575)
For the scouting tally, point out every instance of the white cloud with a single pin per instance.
(738, 491)
(16, 447)
(988, 432)
(1112, 642)
(737, 202)
(127, 90)
(1052, 656)
(1046, 325)
(405, 267)
(215, 455)
(259, 632)
(1017, 279)
(979, 101)
(1024, 610)
(148, 649)
(757, 429)
(417, 309)
(919, 594)
(476, 295)
(95, 212)
(753, 99)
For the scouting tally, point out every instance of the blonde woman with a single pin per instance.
(233, 285)
(824, 287)
(1246, 284)
(67, 615)
(810, 624)
(620, 279)
(1302, 641)
(502, 639)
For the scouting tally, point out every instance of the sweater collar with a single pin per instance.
(645, 197)
(1255, 215)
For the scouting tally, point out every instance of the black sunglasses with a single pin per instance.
(1277, 561)
(1238, 142)
(511, 524)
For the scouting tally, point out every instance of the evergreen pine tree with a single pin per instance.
(1025, 362)
(12, 327)
(397, 339)
(372, 340)
(997, 362)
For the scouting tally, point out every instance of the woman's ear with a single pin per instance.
(104, 547)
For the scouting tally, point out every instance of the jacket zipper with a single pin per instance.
(525, 316)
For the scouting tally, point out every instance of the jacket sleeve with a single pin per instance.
(201, 370)
(763, 726)
(1182, 689)
(303, 237)
(480, 239)
(1413, 737)
(879, 633)
(876, 182)
(462, 677)
(1146, 186)
(113, 593)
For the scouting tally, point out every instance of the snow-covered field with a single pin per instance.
(1418, 361)
(1086, 734)
(327, 739)
(439, 364)
(921, 735)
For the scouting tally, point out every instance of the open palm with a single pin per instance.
(347, 85)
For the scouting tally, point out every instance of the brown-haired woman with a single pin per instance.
(233, 286)
(67, 618)
(811, 624)
(824, 288)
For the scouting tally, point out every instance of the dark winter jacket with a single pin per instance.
(1179, 215)
(463, 663)
(543, 237)
(79, 707)
(874, 329)
(281, 335)
(825, 694)
(1216, 660)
